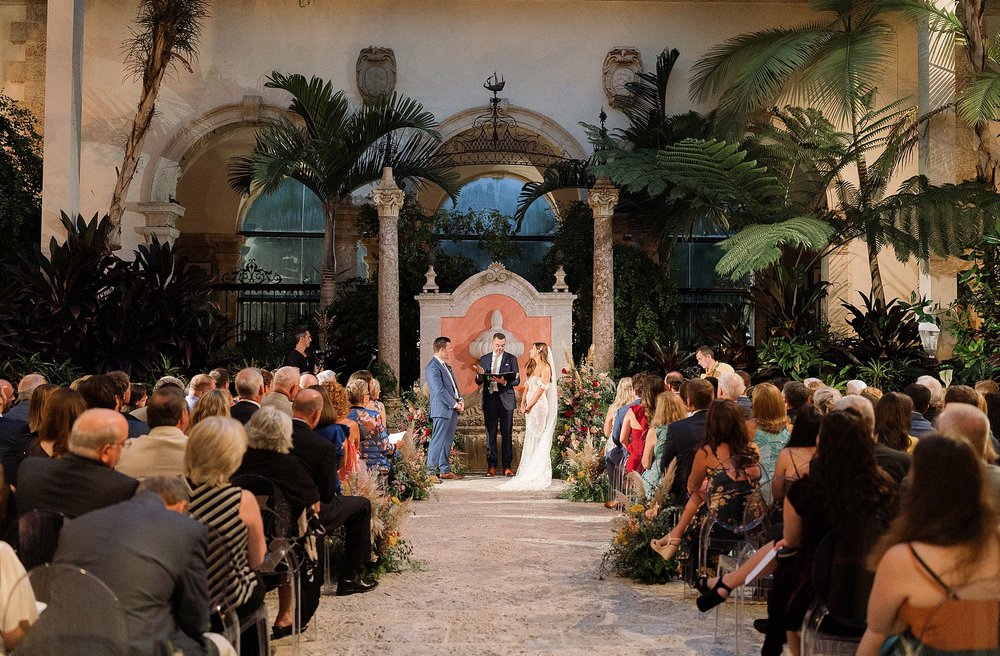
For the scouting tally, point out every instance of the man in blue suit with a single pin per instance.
(446, 404)
(498, 374)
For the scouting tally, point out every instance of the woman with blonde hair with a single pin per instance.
(669, 408)
(214, 403)
(614, 453)
(944, 537)
(214, 451)
(352, 443)
(769, 423)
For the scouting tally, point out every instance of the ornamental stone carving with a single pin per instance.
(621, 66)
(376, 71)
(496, 272)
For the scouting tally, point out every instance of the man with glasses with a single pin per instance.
(84, 479)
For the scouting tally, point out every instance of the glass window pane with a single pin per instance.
(296, 259)
(292, 208)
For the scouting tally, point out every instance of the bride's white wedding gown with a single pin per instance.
(534, 471)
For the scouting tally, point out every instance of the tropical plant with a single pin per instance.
(81, 304)
(974, 319)
(796, 357)
(20, 178)
(334, 150)
(167, 33)
(788, 301)
(883, 331)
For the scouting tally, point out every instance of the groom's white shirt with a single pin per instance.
(451, 377)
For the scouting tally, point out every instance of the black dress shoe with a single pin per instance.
(279, 632)
(760, 625)
(353, 586)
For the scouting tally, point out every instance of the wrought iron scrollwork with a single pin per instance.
(251, 274)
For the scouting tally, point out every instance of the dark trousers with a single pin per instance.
(496, 415)
(355, 515)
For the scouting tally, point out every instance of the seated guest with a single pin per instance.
(25, 390)
(6, 396)
(937, 396)
(152, 557)
(215, 450)
(854, 387)
(732, 387)
(283, 390)
(795, 459)
(221, 377)
(353, 513)
(249, 385)
(733, 457)
(615, 453)
(796, 395)
(893, 419)
(824, 399)
(987, 387)
(61, 409)
(964, 421)
(637, 420)
(14, 440)
(673, 380)
(161, 452)
(375, 447)
(39, 397)
(944, 537)
(896, 464)
(140, 413)
(351, 449)
(104, 391)
(200, 385)
(214, 403)
(137, 397)
(375, 400)
(269, 441)
(969, 396)
(328, 427)
(873, 394)
(769, 426)
(123, 392)
(18, 606)
(687, 436)
(669, 408)
(921, 397)
(84, 479)
(307, 380)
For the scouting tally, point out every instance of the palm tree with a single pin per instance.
(168, 33)
(334, 150)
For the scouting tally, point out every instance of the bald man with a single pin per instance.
(25, 389)
(84, 479)
(970, 423)
(6, 395)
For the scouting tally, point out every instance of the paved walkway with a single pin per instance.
(511, 573)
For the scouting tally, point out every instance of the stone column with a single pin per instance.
(388, 199)
(602, 200)
(161, 220)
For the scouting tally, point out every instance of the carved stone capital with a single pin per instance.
(161, 220)
(621, 66)
(387, 197)
(603, 198)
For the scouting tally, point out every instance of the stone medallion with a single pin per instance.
(621, 66)
(376, 71)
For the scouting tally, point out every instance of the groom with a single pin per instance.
(498, 374)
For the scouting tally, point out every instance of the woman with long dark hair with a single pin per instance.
(794, 460)
(944, 537)
(637, 419)
(892, 421)
(726, 451)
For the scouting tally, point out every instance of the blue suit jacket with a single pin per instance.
(508, 364)
(442, 392)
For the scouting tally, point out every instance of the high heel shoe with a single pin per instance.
(666, 552)
(712, 598)
(279, 632)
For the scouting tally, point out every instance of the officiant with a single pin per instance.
(498, 373)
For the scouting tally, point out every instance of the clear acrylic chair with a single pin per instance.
(63, 627)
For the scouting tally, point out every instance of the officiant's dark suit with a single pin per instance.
(498, 405)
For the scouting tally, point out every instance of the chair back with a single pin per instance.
(78, 614)
(840, 576)
(279, 522)
(967, 623)
(38, 536)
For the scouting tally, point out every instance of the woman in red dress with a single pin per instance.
(636, 422)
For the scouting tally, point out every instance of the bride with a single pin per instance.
(538, 403)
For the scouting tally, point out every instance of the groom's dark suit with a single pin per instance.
(498, 407)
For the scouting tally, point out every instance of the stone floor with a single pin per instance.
(513, 573)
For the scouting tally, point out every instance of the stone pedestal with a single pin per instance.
(388, 199)
(161, 220)
(602, 200)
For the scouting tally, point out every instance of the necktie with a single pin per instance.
(496, 369)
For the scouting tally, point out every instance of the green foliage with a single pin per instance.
(796, 357)
(82, 305)
(644, 306)
(58, 373)
(884, 374)
(20, 179)
(975, 317)
(883, 331)
(574, 244)
(759, 246)
(788, 300)
(178, 22)
(728, 330)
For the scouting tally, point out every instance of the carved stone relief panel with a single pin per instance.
(621, 66)
(376, 71)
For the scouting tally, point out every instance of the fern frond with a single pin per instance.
(758, 246)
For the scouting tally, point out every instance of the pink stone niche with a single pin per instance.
(463, 330)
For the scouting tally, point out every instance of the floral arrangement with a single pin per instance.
(585, 473)
(642, 520)
(584, 395)
(410, 478)
(390, 552)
